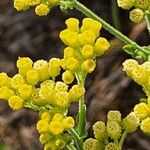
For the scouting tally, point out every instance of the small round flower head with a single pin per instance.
(140, 75)
(130, 123)
(17, 81)
(87, 38)
(88, 65)
(25, 91)
(68, 77)
(87, 51)
(54, 67)
(114, 115)
(21, 4)
(72, 24)
(24, 64)
(50, 146)
(142, 4)
(100, 131)
(111, 146)
(128, 66)
(91, 144)
(101, 45)
(141, 110)
(42, 67)
(92, 25)
(45, 138)
(60, 143)
(76, 92)
(146, 66)
(113, 129)
(6, 93)
(32, 77)
(62, 99)
(42, 126)
(136, 15)
(145, 125)
(68, 122)
(125, 4)
(72, 64)
(46, 116)
(15, 102)
(53, 3)
(61, 87)
(34, 2)
(70, 38)
(56, 128)
(57, 117)
(42, 10)
(4, 79)
(69, 52)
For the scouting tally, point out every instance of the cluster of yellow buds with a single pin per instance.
(84, 45)
(112, 131)
(139, 8)
(42, 7)
(51, 127)
(35, 82)
(139, 73)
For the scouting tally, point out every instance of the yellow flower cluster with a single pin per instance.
(84, 45)
(23, 86)
(51, 127)
(42, 8)
(139, 73)
(112, 130)
(140, 6)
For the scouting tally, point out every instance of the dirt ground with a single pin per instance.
(25, 34)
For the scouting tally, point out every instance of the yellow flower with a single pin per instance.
(25, 91)
(46, 116)
(145, 125)
(72, 64)
(42, 67)
(125, 4)
(6, 92)
(24, 64)
(76, 92)
(15, 102)
(88, 65)
(136, 15)
(141, 110)
(60, 143)
(69, 52)
(68, 122)
(43, 126)
(34, 2)
(57, 117)
(70, 38)
(32, 77)
(91, 144)
(101, 45)
(87, 38)
(91, 25)
(72, 24)
(21, 4)
(45, 138)
(142, 4)
(4, 79)
(56, 128)
(61, 87)
(42, 10)
(114, 115)
(87, 51)
(17, 81)
(67, 77)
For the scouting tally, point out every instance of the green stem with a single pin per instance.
(76, 138)
(82, 108)
(108, 27)
(147, 18)
(122, 139)
(115, 15)
(71, 147)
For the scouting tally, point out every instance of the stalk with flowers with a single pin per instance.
(36, 86)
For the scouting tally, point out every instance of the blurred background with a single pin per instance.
(108, 88)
